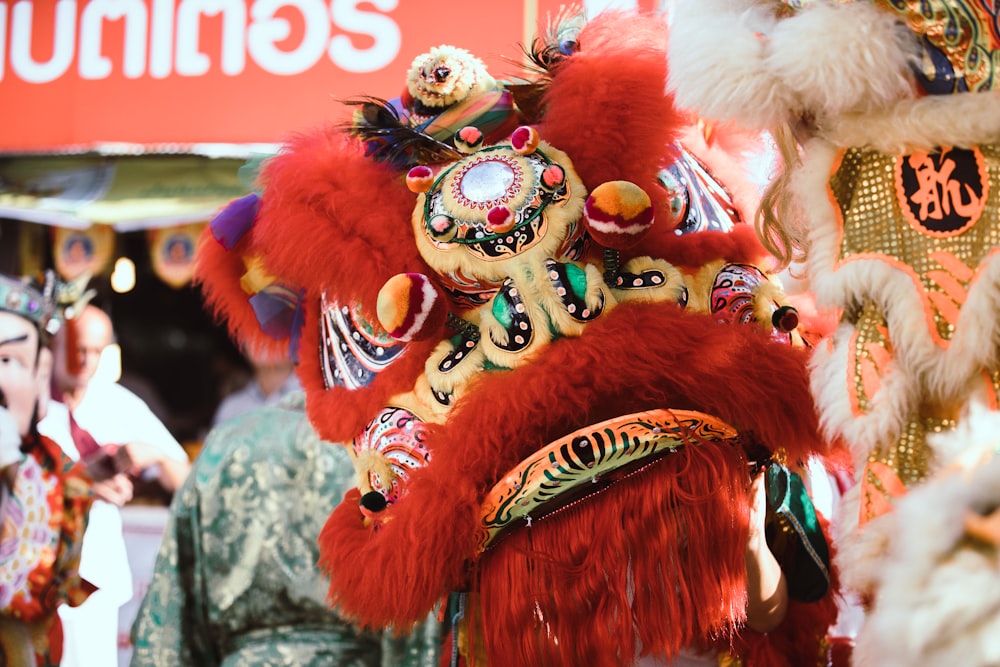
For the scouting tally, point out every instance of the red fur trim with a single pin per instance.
(607, 107)
(218, 272)
(370, 571)
(654, 562)
(332, 219)
(636, 357)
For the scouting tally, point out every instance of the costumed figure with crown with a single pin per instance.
(888, 114)
(44, 496)
(541, 320)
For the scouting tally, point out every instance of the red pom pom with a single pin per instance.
(500, 219)
(469, 139)
(524, 140)
(411, 307)
(553, 177)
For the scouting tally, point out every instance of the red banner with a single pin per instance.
(80, 73)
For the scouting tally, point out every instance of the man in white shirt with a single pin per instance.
(103, 422)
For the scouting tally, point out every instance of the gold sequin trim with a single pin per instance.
(909, 456)
(874, 227)
(870, 352)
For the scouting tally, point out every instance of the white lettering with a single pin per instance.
(190, 60)
(93, 63)
(381, 28)
(265, 31)
(161, 39)
(64, 43)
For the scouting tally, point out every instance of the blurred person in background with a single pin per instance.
(95, 419)
(236, 581)
(272, 379)
(44, 496)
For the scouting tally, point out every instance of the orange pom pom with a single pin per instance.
(420, 179)
(524, 140)
(410, 307)
(618, 214)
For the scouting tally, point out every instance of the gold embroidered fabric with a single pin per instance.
(962, 48)
(909, 456)
(875, 226)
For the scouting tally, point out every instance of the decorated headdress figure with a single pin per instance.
(39, 304)
(557, 355)
(44, 496)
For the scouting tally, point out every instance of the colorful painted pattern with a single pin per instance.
(587, 461)
(389, 448)
(353, 351)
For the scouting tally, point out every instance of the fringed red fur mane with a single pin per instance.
(655, 564)
(335, 220)
(607, 107)
(602, 110)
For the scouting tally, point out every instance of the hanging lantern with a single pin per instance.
(80, 251)
(172, 252)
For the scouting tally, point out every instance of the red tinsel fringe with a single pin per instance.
(654, 564)
(334, 220)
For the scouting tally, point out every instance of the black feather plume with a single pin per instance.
(389, 138)
(542, 60)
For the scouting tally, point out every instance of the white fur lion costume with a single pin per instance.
(888, 114)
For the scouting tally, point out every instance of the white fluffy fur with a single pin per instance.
(859, 553)
(922, 124)
(975, 438)
(736, 60)
(894, 402)
(719, 62)
(842, 57)
(468, 74)
(938, 599)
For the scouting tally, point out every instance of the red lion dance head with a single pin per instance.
(540, 321)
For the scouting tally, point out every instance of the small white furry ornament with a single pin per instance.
(446, 75)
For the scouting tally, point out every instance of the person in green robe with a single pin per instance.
(236, 582)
